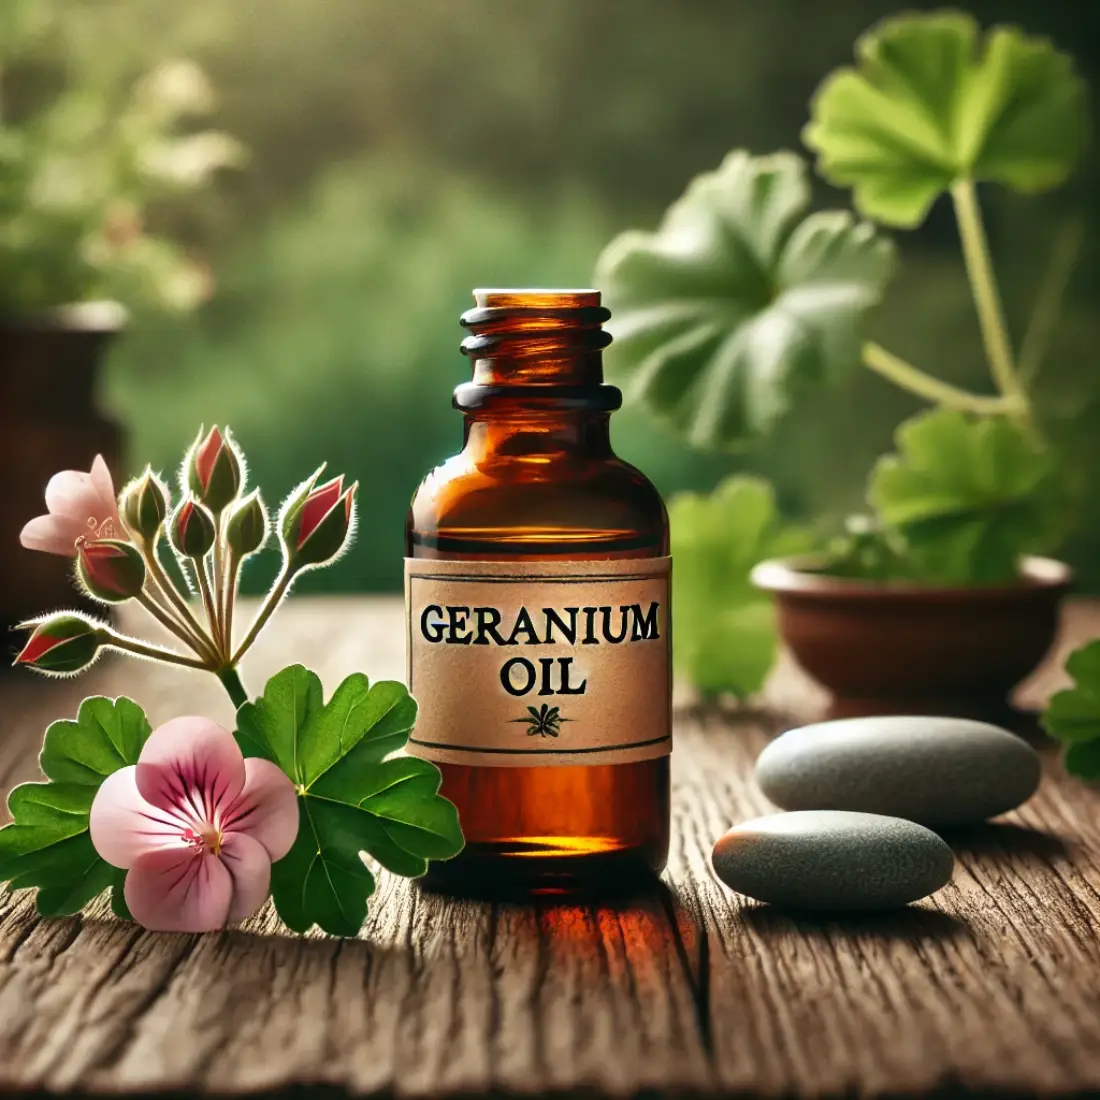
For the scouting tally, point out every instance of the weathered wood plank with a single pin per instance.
(994, 984)
(437, 996)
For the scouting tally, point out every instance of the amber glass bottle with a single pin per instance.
(537, 597)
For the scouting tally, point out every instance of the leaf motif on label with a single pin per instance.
(544, 721)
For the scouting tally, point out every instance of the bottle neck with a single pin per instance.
(537, 386)
(539, 437)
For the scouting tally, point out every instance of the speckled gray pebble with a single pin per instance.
(833, 859)
(941, 772)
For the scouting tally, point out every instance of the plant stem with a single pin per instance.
(200, 641)
(174, 626)
(271, 601)
(987, 298)
(231, 575)
(915, 381)
(175, 574)
(153, 652)
(208, 604)
(231, 681)
(219, 606)
(1048, 302)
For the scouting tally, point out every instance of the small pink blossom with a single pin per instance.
(196, 825)
(80, 505)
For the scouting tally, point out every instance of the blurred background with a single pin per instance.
(374, 160)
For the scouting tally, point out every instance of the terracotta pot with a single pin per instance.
(48, 422)
(884, 648)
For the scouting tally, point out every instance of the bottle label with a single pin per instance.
(521, 664)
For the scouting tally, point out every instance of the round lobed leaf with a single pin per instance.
(968, 497)
(931, 102)
(738, 302)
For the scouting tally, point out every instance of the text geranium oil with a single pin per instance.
(537, 584)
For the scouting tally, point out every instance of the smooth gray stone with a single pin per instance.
(833, 859)
(941, 772)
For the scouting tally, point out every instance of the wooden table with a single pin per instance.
(992, 984)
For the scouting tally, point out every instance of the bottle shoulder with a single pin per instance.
(603, 501)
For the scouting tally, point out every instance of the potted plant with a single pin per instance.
(79, 170)
(742, 303)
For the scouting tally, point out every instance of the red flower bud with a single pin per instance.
(213, 470)
(317, 523)
(110, 570)
(192, 531)
(62, 644)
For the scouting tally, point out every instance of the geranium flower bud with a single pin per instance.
(317, 523)
(111, 570)
(61, 644)
(213, 470)
(144, 505)
(246, 527)
(192, 530)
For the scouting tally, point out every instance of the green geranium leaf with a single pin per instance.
(118, 898)
(1083, 760)
(1073, 716)
(968, 497)
(724, 627)
(354, 797)
(48, 845)
(931, 102)
(739, 300)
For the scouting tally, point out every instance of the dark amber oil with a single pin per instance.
(537, 480)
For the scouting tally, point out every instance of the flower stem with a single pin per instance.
(231, 681)
(915, 381)
(987, 298)
(175, 574)
(203, 582)
(219, 606)
(271, 601)
(173, 625)
(199, 640)
(153, 652)
(1048, 302)
(229, 604)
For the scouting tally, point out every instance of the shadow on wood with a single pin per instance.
(911, 924)
(1011, 846)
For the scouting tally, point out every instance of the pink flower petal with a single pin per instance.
(72, 495)
(179, 890)
(105, 487)
(124, 826)
(52, 535)
(266, 809)
(249, 866)
(191, 765)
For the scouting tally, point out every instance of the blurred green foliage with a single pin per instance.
(80, 161)
(967, 497)
(334, 336)
(741, 303)
(725, 627)
(404, 151)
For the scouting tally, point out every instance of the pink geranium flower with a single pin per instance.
(196, 825)
(79, 505)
